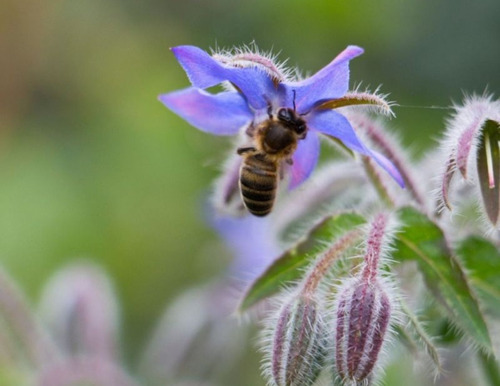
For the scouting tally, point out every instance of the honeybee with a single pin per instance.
(275, 141)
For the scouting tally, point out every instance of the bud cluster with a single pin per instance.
(307, 334)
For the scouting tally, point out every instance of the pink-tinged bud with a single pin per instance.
(363, 314)
(472, 138)
(196, 338)
(297, 345)
(363, 311)
(80, 307)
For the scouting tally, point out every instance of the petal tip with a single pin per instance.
(163, 98)
(396, 175)
(183, 50)
(401, 182)
(351, 52)
(389, 167)
(356, 49)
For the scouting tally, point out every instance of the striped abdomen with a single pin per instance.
(258, 183)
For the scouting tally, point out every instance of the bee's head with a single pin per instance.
(292, 121)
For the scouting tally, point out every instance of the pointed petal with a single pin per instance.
(305, 159)
(221, 114)
(330, 82)
(331, 123)
(388, 166)
(204, 71)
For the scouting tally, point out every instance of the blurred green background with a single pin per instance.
(92, 165)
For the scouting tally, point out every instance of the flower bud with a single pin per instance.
(297, 345)
(363, 315)
(196, 338)
(363, 310)
(472, 138)
(80, 307)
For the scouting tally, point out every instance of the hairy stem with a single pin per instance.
(326, 260)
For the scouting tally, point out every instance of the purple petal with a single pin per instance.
(204, 71)
(330, 82)
(332, 123)
(305, 159)
(252, 241)
(221, 114)
(388, 166)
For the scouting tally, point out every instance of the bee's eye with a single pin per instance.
(284, 115)
(300, 128)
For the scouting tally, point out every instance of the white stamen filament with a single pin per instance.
(489, 162)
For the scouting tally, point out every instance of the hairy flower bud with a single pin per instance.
(363, 315)
(81, 310)
(363, 311)
(472, 138)
(297, 346)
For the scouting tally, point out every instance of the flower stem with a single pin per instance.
(377, 182)
(326, 260)
(392, 150)
(374, 246)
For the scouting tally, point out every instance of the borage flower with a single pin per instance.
(261, 89)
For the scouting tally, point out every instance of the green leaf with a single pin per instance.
(482, 261)
(290, 265)
(423, 241)
(490, 368)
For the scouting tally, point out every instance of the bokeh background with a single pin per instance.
(93, 166)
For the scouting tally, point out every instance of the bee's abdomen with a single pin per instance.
(258, 184)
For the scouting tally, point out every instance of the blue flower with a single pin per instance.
(259, 86)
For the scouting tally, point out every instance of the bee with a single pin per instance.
(275, 141)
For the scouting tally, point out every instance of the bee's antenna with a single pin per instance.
(294, 109)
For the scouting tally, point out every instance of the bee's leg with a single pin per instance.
(243, 150)
(289, 161)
